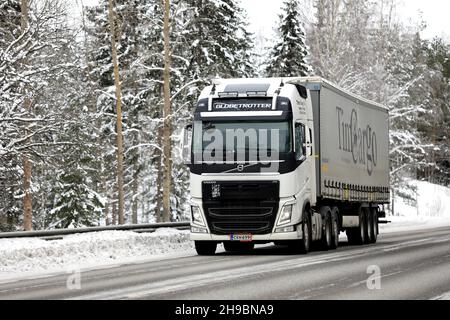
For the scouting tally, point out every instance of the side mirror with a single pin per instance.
(186, 146)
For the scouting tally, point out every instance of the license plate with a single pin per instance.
(241, 237)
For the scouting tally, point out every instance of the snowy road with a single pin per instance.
(412, 265)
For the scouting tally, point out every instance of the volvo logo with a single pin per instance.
(240, 168)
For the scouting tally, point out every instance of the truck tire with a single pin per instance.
(370, 226)
(376, 223)
(374, 217)
(238, 246)
(327, 232)
(304, 245)
(357, 236)
(335, 227)
(205, 248)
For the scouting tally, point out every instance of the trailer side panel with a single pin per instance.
(354, 145)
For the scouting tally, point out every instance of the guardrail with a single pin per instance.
(146, 227)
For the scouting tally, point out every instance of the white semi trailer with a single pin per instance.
(288, 161)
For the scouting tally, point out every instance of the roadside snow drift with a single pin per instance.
(430, 209)
(432, 201)
(33, 255)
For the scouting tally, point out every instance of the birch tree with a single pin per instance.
(28, 46)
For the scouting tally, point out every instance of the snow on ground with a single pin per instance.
(31, 257)
(445, 296)
(430, 208)
(22, 257)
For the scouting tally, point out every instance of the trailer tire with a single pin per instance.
(357, 236)
(205, 248)
(370, 226)
(335, 227)
(238, 246)
(374, 217)
(327, 232)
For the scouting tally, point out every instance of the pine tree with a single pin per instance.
(219, 44)
(76, 204)
(288, 57)
(434, 119)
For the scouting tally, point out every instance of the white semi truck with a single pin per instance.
(288, 161)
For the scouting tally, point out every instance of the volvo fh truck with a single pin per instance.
(288, 161)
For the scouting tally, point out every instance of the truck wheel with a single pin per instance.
(238, 246)
(377, 226)
(327, 233)
(370, 226)
(374, 230)
(357, 235)
(303, 246)
(205, 248)
(335, 228)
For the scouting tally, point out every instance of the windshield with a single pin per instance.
(241, 141)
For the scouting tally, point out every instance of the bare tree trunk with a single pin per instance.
(167, 130)
(144, 212)
(134, 207)
(107, 221)
(28, 213)
(27, 208)
(114, 213)
(159, 177)
(119, 113)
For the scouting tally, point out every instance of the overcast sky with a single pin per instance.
(263, 14)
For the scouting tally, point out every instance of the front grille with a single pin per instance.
(238, 211)
(247, 207)
(253, 227)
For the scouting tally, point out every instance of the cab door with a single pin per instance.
(304, 172)
(303, 156)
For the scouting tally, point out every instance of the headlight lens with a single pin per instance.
(286, 214)
(197, 215)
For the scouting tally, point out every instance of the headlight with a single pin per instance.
(197, 215)
(286, 213)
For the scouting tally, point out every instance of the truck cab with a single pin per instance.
(251, 159)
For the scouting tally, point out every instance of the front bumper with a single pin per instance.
(256, 237)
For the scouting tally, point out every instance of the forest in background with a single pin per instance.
(59, 106)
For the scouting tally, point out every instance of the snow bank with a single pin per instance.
(444, 296)
(429, 207)
(432, 201)
(22, 256)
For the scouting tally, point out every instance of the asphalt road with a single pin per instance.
(411, 265)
